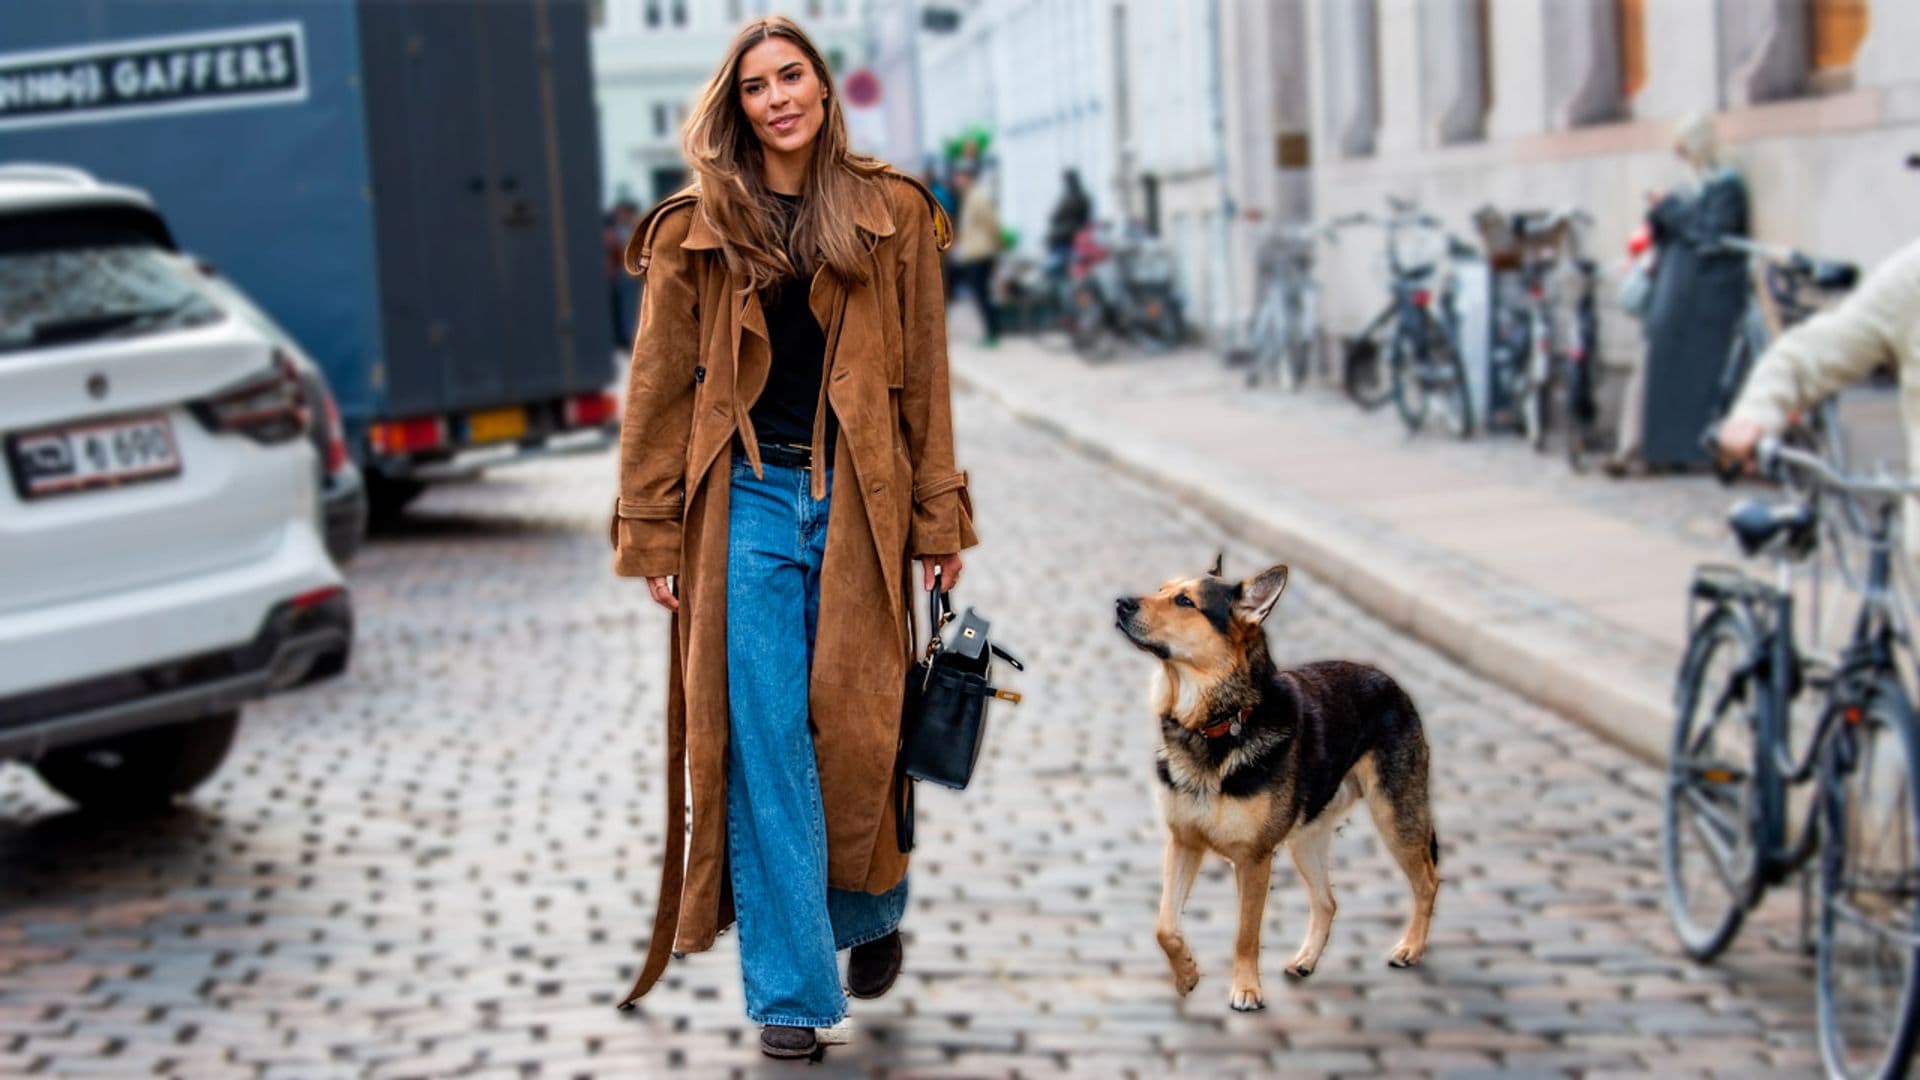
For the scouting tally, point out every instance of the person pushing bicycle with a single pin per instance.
(1878, 323)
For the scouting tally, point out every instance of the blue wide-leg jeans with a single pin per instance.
(791, 922)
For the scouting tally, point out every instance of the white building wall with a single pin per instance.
(1039, 75)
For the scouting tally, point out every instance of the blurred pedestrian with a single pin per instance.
(978, 249)
(623, 288)
(1699, 292)
(789, 588)
(1878, 323)
(1069, 216)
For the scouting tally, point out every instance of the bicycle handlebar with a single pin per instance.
(1771, 454)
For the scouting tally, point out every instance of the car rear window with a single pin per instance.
(64, 280)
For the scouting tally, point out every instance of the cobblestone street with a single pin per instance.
(445, 862)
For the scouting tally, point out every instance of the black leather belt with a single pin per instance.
(786, 456)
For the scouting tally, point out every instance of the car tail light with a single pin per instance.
(588, 410)
(408, 436)
(270, 409)
(336, 436)
(316, 597)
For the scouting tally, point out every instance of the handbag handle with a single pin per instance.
(939, 607)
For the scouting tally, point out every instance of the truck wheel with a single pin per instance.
(388, 496)
(142, 769)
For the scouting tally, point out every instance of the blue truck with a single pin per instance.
(410, 187)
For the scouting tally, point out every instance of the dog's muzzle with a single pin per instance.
(1124, 610)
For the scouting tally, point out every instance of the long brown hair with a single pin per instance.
(726, 155)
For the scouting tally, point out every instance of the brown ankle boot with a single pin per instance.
(872, 967)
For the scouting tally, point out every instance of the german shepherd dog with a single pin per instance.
(1252, 757)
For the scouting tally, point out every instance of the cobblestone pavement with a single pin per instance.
(444, 863)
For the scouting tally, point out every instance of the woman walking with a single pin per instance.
(787, 449)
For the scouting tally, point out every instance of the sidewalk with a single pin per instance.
(1568, 589)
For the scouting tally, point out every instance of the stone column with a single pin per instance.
(1518, 37)
(1583, 63)
(1451, 82)
(1764, 43)
(1346, 31)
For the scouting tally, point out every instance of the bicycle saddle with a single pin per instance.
(1834, 276)
(1757, 524)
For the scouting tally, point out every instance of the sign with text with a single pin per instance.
(111, 80)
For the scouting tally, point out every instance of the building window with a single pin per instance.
(660, 120)
(680, 13)
(736, 10)
(813, 9)
(653, 14)
(1633, 47)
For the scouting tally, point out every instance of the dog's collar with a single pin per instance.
(1230, 726)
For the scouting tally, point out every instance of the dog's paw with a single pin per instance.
(1186, 976)
(1247, 998)
(1404, 955)
(1302, 964)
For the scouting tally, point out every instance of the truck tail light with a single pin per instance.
(270, 409)
(408, 436)
(588, 410)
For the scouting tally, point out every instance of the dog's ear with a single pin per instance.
(1219, 562)
(1259, 593)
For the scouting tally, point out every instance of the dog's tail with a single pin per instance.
(1433, 845)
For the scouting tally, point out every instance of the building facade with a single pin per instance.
(1040, 76)
(1550, 103)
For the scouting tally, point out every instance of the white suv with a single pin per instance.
(159, 558)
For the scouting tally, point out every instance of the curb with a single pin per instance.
(1546, 661)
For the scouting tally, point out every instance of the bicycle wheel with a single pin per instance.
(1868, 949)
(1580, 412)
(1368, 377)
(1446, 383)
(1409, 382)
(1091, 336)
(1708, 853)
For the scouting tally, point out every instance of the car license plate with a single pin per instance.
(104, 454)
(496, 425)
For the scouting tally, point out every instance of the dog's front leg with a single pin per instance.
(1252, 877)
(1176, 881)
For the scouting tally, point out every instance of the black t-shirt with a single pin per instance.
(785, 409)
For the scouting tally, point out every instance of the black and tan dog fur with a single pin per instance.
(1252, 757)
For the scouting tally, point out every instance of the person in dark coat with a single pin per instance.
(1699, 293)
(1069, 216)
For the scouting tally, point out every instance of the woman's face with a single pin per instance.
(782, 96)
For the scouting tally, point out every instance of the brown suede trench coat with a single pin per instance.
(700, 359)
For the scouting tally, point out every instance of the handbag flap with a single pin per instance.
(966, 637)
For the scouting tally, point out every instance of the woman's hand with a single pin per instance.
(1738, 436)
(949, 565)
(661, 589)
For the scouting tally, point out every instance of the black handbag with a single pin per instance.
(943, 717)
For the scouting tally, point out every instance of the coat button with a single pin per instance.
(700, 374)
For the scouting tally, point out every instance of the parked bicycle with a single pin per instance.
(1282, 338)
(1736, 754)
(1422, 372)
(1122, 291)
(1544, 381)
